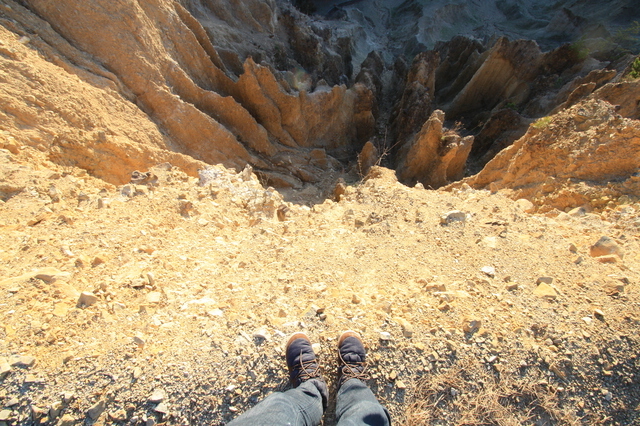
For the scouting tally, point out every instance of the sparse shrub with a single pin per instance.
(580, 49)
(541, 123)
(628, 37)
(635, 68)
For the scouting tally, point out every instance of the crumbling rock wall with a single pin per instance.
(434, 156)
(496, 91)
(160, 57)
(73, 110)
(561, 158)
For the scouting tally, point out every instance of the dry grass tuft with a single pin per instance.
(469, 393)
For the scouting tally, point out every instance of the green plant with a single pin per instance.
(628, 37)
(635, 68)
(580, 49)
(541, 123)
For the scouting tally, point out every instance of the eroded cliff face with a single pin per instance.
(156, 55)
(114, 87)
(585, 153)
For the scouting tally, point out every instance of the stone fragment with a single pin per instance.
(545, 291)
(55, 409)
(444, 307)
(356, 299)
(96, 409)
(614, 288)
(154, 297)
(104, 203)
(5, 415)
(367, 158)
(186, 208)
(98, 260)
(437, 286)
(471, 325)
(453, 216)
(385, 336)
(118, 416)
(5, 369)
(546, 280)
(87, 299)
(22, 361)
(511, 286)
(161, 408)
(32, 379)
(137, 372)
(339, 190)
(261, 335)
(489, 271)
(157, 396)
(317, 348)
(489, 242)
(577, 212)
(67, 420)
(605, 246)
(400, 384)
(525, 205)
(50, 275)
(139, 340)
(407, 328)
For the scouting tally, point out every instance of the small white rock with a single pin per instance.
(158, 395)
(489, 271)
(385, 336)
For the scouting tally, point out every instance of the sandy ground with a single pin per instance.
(190, 291)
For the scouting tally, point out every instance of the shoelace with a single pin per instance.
(352, 370)
(307, 370)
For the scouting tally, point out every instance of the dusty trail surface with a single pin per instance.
(191, 287)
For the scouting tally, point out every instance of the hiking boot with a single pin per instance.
(301, 360)
(351, 357)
